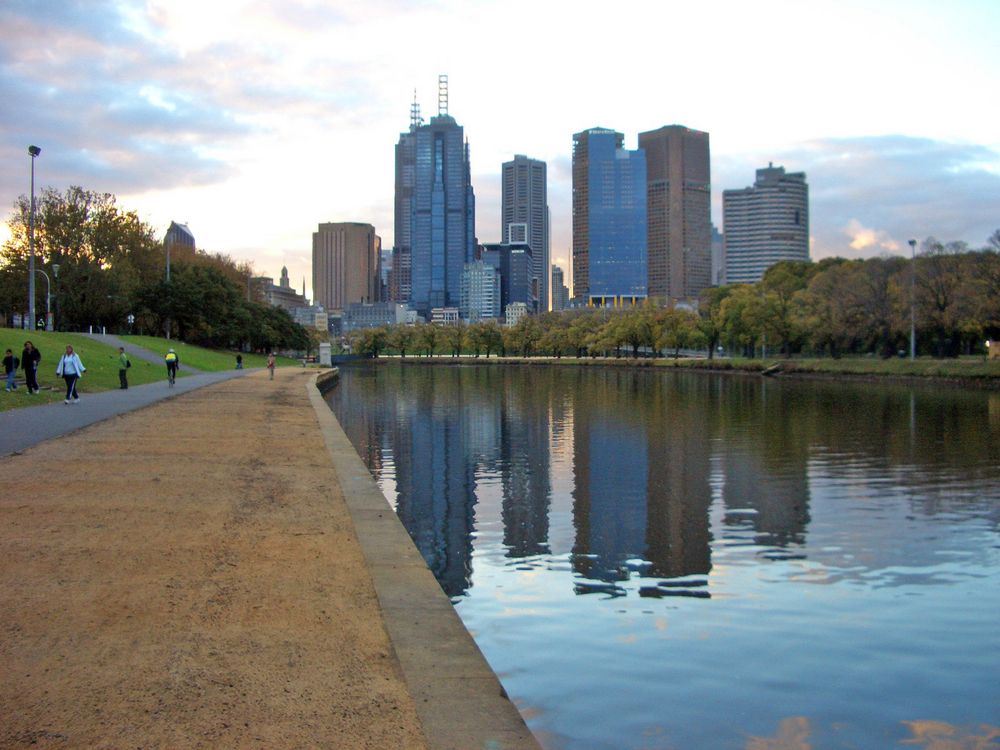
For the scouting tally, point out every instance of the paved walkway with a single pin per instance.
(219, 570)
(133, 351)
(22, 428)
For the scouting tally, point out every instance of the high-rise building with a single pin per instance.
(609, 219)
(718, 258)
(516, 268)
(400, 282)
(524, 214)
(765, 224)
(480, 292)
(442, 209)
(679, 199)
(560, 294)
(345, 262)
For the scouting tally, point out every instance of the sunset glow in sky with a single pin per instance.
(253, 121)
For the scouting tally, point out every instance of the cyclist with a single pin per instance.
(173, 362)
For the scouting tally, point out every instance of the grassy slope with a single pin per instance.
(100, 360)
(207, 360)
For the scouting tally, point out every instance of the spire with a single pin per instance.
(415, 119)
(443, 94)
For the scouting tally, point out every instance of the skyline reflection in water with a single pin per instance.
(696, 558)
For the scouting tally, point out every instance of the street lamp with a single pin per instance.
(48, 299)
(55, 275)
(34, 151)
(913, 317)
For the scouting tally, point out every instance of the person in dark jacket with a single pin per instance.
(30, 358)
(10, 363)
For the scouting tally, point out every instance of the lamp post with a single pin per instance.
(34, 151)
(48, 299)
(913, 316)
(55, 275)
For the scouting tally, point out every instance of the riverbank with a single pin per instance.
(972, 371)
(196, 574)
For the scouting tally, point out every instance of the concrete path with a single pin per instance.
(133, 351)
(221, 571)
(22, 428)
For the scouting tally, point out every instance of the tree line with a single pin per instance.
(106, 269)
(836, 307)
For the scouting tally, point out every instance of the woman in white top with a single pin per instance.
(71, 369)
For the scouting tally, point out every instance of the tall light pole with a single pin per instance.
(913, 316)
(48, 299)
(34, 151)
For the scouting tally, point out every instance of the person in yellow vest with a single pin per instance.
(173, 362)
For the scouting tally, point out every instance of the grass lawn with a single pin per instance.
(200, 358)
(100, 360)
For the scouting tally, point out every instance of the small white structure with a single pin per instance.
(324, 355)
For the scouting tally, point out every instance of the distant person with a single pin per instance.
(239, 361)
(173, 362)
(10, 363)
(71, 369)
(30, 358)
(270, 364)
(123, 365)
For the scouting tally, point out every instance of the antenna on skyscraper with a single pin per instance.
(442, 94)
(415, 119)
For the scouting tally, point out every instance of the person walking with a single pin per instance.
(270, 364)
(123, 365)
(71, 369)
(10, 363)
(173, 362)
(30, 357)
(239, 361)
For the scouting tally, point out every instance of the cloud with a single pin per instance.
(863, 238)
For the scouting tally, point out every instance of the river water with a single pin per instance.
(655, 560)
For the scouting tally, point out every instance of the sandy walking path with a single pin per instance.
(187, 575)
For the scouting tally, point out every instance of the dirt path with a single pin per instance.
(187, 576)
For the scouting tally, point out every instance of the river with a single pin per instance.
(654, 560)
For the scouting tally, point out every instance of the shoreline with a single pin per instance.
(785, 369)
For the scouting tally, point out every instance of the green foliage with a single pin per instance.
(111, 266)
(200, 358)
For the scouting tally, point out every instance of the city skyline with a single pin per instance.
(205, 115)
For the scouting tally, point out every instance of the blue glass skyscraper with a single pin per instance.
(443, 211)
(609, 219)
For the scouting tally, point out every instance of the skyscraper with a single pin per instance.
(524, 215)
(560, 294)
(400, 282)
(609, 219)
(345, 261)
(765, 224)
(442, 209)
(679, 201)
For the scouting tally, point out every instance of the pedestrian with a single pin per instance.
(30, 357)
(123, 365)
(71, 369)
(239, 361)
(10, 363)
(173, 362)
(270, 364)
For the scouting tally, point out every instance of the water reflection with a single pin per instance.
(841, 539)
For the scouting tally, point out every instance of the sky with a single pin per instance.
(253, 121)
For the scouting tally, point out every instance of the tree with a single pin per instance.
(679, 330)
(453, 336)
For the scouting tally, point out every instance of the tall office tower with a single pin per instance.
(524, 215)
(442, 210)
(764, 224)
(516, 268)
(480, 292)
(718, 258)
(560, 294)
(400, 280)
(609, 219)
(345, 261)
(679, 199)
